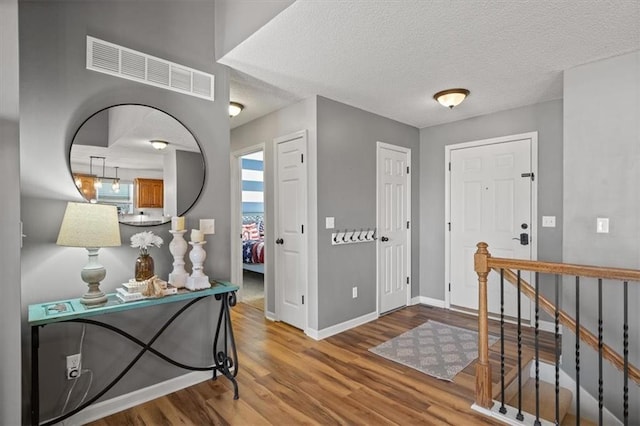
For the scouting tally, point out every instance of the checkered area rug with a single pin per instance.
(437, 349)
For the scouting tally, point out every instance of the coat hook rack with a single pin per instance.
(353, 236)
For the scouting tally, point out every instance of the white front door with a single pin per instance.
(291, 220)
(491, 189)
(394, 215)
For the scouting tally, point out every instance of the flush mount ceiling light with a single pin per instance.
(451, 97)
(235, 108)
(158, 144)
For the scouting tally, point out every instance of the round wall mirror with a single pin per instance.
(139, 159)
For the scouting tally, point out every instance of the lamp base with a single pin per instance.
(92, 274)
(94, 300)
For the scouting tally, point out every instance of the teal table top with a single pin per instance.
(64, 310)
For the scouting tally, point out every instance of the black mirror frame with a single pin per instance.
(204, 163)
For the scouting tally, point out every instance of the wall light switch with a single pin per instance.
(208, 226)
(548, 221)
(602, 225)
(329, 222)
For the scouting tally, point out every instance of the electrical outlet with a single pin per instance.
(354, 292)
(73, 366)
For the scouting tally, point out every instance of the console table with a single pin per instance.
(225, 359)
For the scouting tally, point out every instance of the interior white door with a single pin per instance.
(291, 216)
(394, 210)
(491, 198)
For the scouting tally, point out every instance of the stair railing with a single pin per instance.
(484, 263)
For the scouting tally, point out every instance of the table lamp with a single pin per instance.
(90, 226)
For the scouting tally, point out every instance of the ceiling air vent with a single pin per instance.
(119, 61)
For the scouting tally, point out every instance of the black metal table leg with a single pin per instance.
(225, 363)
(35, 385)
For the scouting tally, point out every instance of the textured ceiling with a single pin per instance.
(390, 57)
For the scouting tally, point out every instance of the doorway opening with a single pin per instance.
(252, 228)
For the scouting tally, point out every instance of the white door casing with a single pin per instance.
(393, 226)
(236, 219)
(291, 238)
(491, 192)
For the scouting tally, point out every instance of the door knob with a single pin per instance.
(279, 241)
(524, 239)
(383, 239)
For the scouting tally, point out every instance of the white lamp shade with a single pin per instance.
(89, 225)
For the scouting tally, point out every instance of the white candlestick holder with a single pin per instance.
(197, 280)
(178, 248)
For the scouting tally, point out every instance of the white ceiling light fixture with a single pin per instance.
(158, 144)
(235, 108)
(451, 97)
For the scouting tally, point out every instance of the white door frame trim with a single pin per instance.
(236, 212)
(291, 136)
(410, 285)
(533, 240)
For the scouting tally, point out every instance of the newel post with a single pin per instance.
(483, 368)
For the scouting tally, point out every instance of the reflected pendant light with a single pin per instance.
(97, 181)
(116, 183)
(451, 97)
(235, 108)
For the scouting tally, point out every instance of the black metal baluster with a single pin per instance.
(503, 409)
(537, 330)
(557, 346)
(577, 350)
(600, 338)
(519, 416)
(626, 352)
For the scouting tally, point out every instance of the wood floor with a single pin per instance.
(286, 378)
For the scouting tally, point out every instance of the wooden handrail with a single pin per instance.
(565, 269)
(585, 335)
(484, 263)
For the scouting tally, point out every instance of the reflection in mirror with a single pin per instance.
(140, 159)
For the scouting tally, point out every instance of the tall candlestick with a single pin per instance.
(197, 280)
(178, 248)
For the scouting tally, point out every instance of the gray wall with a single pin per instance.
(299, 116)
(601, 175)
(347, 139)
(546, 119)
(57, 94)
(10, 365)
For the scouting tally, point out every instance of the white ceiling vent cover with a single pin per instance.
(119, 61)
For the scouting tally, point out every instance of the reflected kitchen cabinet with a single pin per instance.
(149, 193)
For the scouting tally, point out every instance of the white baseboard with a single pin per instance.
(140, 396)
(339, 328)
(508, 418)
(270, 316)
(427, 301)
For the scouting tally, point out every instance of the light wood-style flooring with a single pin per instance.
(286, 378)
